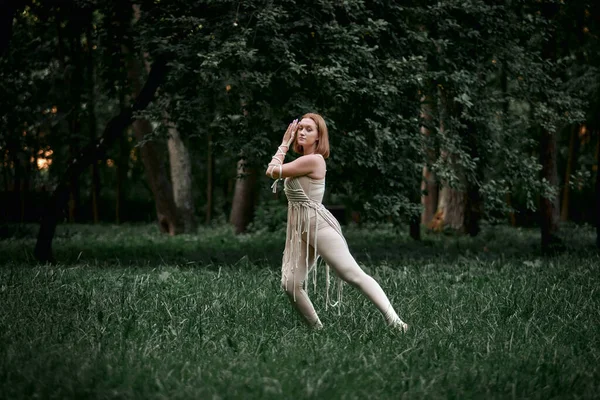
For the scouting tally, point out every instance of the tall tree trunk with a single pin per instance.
(473, 198)
(429, 187)
(74, 190)
(549, 207)
(598, 190)
(181, 176)
(242, 208)
(95, 192)
(73, 82)
(95, 195)
(4, 165)
(452, 201)
(414, 229)
(151, 151)
(75, 166)
(122, 161)
(573, 147)
(17, 178)
(473, 207)
(122, 164)
(511, 215)
(209, 178)
(505, 110)
(27, 164)
(451, 210)
(20, 166)
(156, 175)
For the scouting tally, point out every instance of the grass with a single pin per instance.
(129, 313)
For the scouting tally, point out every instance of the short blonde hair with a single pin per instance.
(323, 138)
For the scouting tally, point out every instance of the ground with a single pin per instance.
(130, 313)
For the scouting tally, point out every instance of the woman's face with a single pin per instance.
(307, 134)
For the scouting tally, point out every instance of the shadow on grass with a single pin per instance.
(114, 245)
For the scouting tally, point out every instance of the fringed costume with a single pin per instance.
(313, 232)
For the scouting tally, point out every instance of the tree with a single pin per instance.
(181, 176)
(571, 157)
(91, 107)
(94, 150)
(242, 209)
(476, 72)
(429, 187)
(151, 151)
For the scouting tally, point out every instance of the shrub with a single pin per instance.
(270, 216)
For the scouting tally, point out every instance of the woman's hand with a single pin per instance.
(290, 133)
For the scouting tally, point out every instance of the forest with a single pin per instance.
(141, 243)
(443, 116)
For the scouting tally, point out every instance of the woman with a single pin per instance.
(311, 229)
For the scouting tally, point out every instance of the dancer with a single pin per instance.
(311, 229)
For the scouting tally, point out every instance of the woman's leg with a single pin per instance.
(332, 247)
(292, 281)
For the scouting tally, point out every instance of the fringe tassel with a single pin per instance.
(300, 217)
(326, 286)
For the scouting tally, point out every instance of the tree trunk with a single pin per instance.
(511, 215)
(4, 164)
(17, 178)
(452, 201)
(549, 207)
(181, 176)
(209, 179)
(242, 208)
(573, 147)
(154, 166)
(95, 195)
(151, 152)
(27, 164)
(430, 196)
(156, 175)
(74, 81)
(473, 199)
(415, 227)
(74, 191)
(473, 212)
(598, 191)
(122, 163)
(451, 210)
(505, 111)
(114, 129)
(429, 187)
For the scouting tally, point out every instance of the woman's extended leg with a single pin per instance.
(292, 281)
(332, 247)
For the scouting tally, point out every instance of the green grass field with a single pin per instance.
(129, 313)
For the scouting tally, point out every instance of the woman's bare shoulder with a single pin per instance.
(315, 156)
(319, 165)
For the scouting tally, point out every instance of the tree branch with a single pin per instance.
(90, 154)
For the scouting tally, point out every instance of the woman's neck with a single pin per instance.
(310, 151)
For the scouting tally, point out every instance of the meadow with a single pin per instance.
(129, 313)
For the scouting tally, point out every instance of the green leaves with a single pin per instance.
(240, 71)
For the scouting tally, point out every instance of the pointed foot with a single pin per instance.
(399, 325)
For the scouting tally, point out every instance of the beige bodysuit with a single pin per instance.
(312, 231)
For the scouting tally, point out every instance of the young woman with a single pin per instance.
(311, 229)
